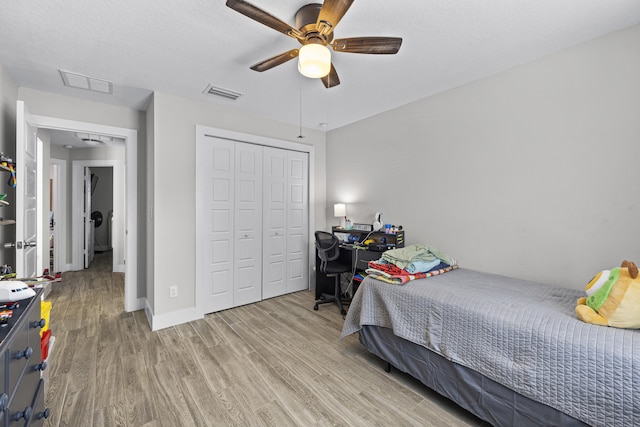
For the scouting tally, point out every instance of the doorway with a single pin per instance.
(101, 212)
(130, 204)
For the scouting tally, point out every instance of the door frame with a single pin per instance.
(131, 300)
(77, 217)
(58, 168)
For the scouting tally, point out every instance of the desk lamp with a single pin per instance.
(340, 210)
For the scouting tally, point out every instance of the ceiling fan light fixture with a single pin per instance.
(314, 60)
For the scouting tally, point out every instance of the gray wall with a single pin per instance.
(531, 173)
(173, 208)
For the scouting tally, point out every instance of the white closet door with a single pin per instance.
(298, 222)
(275, 219)
(248, 220)
(252, 222)
(215, 164)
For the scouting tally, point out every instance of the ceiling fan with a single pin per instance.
(315, 24)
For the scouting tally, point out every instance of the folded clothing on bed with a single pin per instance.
(404, 276)
(413, 258)
(417, 266)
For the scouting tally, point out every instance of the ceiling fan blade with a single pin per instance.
(331, 79)
(373, 45)
(331, 13)
(275, 61)
(257, 14)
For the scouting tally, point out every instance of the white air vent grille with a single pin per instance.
(224, 93)
(81, 81)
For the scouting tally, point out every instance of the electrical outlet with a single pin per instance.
(173, 291)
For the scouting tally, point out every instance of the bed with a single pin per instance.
(510, 351)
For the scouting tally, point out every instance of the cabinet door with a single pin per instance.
(248, 224)
(275, 220)
(215, 165)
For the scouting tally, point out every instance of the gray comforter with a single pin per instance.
(522, 334)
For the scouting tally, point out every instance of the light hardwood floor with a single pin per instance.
(273, 363)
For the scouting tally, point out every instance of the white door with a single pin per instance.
(274, 253)
(26, 193)
(297, 227)
(215, 169)
(88, 223)
(248, 224)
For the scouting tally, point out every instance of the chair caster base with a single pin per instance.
(315, 307)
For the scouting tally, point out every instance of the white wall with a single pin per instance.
(174, 195)
(531, 173)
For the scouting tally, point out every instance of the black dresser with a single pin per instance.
(22, 394)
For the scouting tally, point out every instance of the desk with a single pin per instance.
(358, 259)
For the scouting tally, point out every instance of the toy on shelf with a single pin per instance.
(9, 164)
(14, 290)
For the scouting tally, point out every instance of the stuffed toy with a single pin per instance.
(613, 298)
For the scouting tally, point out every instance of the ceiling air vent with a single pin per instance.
(224, 93)
(81, 81)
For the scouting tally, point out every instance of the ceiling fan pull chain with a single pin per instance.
(300, 135)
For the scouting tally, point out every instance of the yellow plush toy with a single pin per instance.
(613, 298)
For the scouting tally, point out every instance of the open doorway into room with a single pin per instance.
(125, 225)
(99, 210)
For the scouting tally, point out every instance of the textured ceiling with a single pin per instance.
(179, 47)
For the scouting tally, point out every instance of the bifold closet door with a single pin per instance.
(285, 222)
(248, 224)
(228, 224)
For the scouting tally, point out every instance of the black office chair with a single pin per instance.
(328, 249)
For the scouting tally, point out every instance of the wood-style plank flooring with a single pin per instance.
(273, 363)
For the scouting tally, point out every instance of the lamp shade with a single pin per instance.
(339, 209)
(314, 60)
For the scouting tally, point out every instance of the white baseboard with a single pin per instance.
(139, 304)
(148, 311)
(65, 267)
(171, 319)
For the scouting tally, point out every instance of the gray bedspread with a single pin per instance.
(522, 334)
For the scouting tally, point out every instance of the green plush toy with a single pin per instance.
(613, 298)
